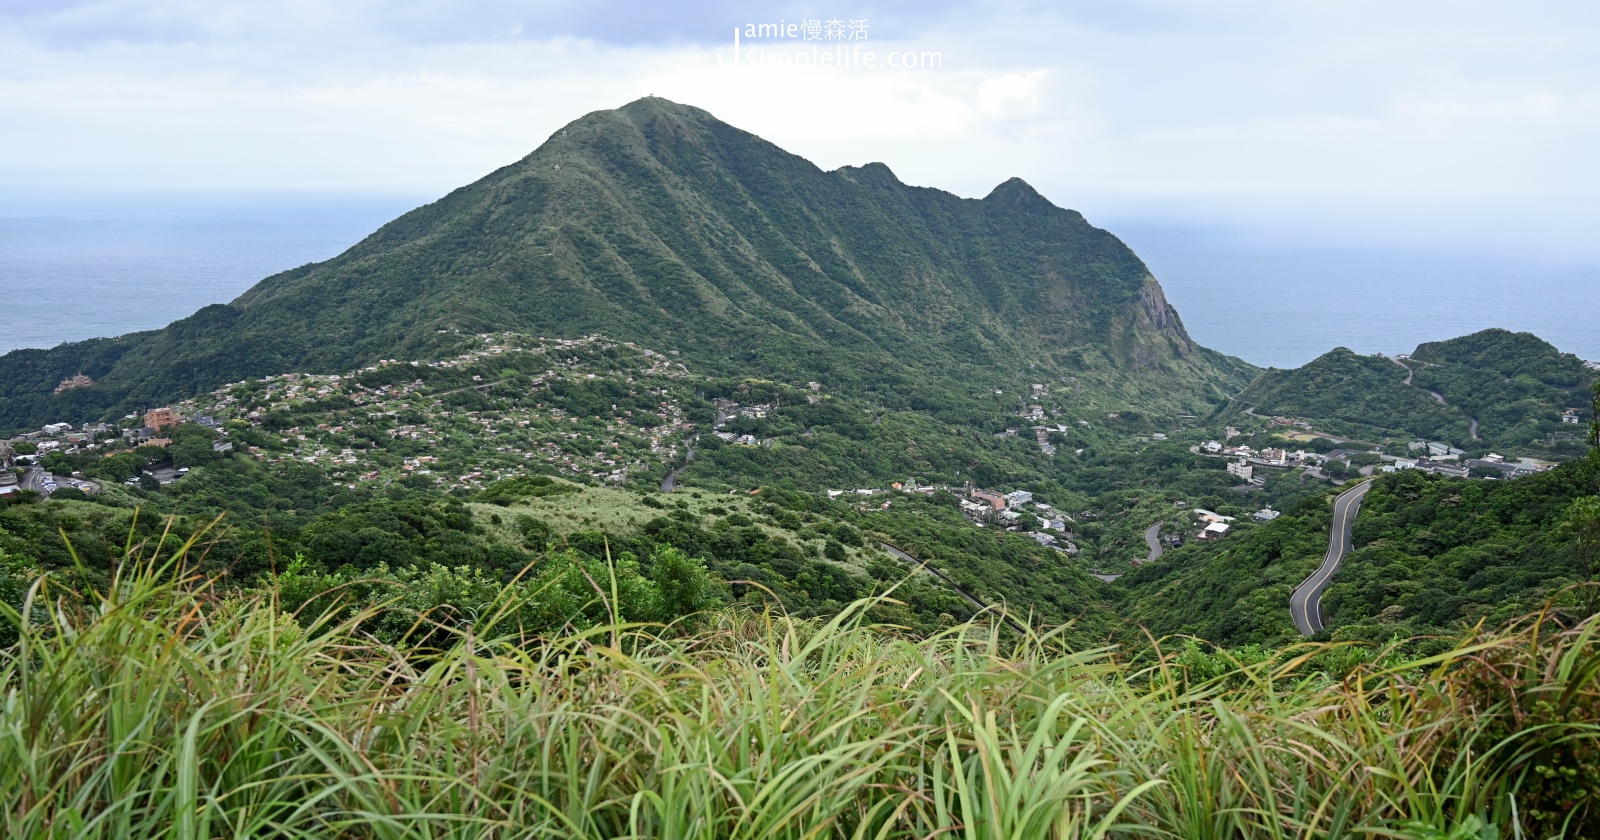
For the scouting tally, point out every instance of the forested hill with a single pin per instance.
(660, 224)
(1515, 385)
(1431, 555)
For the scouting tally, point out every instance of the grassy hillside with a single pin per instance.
(154, 709)
(657, 223)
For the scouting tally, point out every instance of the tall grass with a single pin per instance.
(162, 707)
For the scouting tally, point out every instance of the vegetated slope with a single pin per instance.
(1514, 384)
(1434, 553)
(1366, 392)
(1431, 555)
(1236, 591)
(658, 223)
(752, 725)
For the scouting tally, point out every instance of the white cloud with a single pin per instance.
(1449, 113)
(1013, 94)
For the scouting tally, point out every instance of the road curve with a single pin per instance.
(971, 599)
(1435, 394)
(1152, 538)
(670, 483)
(1305, 605)
(1409, 372)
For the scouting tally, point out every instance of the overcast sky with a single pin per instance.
(1407, 122)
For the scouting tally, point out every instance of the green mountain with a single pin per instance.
(1493, 389)
(659, 224)
(1366, 394)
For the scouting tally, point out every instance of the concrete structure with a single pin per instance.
(1214, 531)
(1241, 469)
(1018, 498)
(995, 501)
(157, 419)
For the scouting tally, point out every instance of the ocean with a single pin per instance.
(73, 270)
(1282, 305)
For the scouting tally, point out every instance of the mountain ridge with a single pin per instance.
(656, 222)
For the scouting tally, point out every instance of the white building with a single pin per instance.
(1018, 498)
(1241, 469)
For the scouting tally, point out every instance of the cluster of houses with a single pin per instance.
(1215, 526)
(728, 409)
(1291, 422)
(407, 411)
(985, 507)
(1244, 461)
(1006, 511)
(135, 430)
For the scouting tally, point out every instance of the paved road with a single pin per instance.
(971, 599)
(1152, 538)
(1409, 372)
(670, 483)
(1435, 394)
(1305, 605)
(33, 480)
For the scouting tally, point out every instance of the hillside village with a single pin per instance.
(391, 421)
(602, 412)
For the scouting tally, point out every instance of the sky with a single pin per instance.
(1430, 124)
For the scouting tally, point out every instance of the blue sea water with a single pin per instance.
(1281, 304)
(71, 270)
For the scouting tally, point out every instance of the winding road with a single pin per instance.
(971, 599)
(1305, 605)
(1152, 538)
(1432, 393)
(670, 483)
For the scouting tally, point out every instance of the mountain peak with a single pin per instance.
(871, 173)
(660, 224)
(1016, 192)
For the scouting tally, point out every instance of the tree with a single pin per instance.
(119, 467)
(687, 589)
(1583, 520)
(148, 482)
(25, 447)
